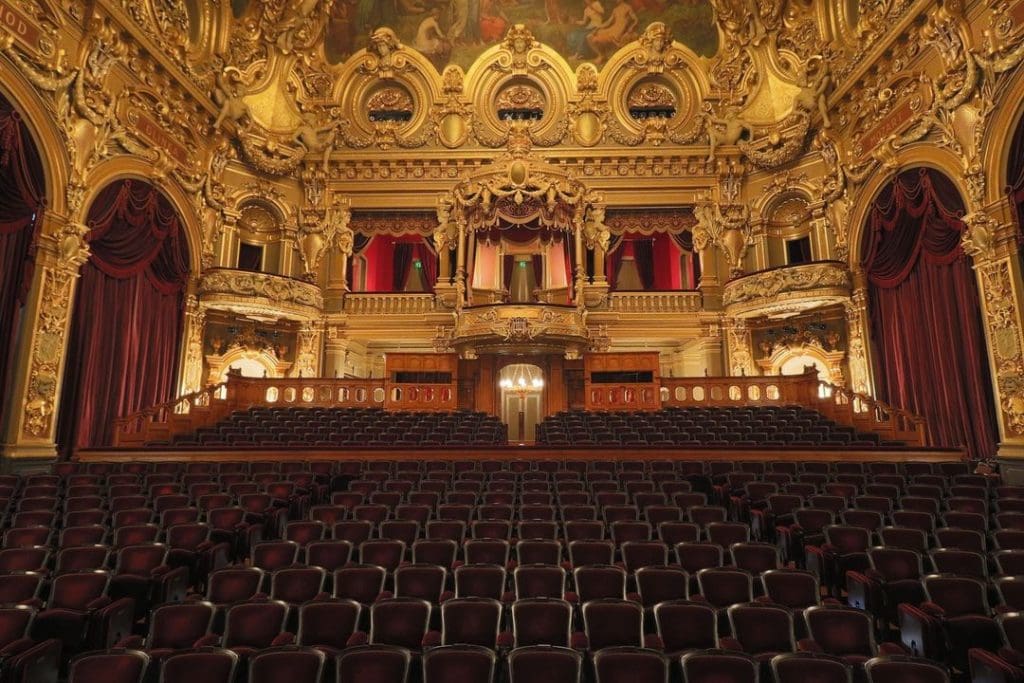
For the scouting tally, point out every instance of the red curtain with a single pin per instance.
(643, 253)
(1016, 179)
(21, 207)
(401, 260)
(929, 345)
(428, 258)
(128, 315)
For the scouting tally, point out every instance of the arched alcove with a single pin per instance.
(22, 202)
(126, 323)
(929, 345)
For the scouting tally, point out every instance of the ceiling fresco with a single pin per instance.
(458, 31)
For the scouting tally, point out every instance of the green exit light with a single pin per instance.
(417, 264)
(522, 264)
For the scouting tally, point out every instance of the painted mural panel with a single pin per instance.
(458, 31)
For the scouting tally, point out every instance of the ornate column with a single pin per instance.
(597, 237)
(858, 352)
(29, 430)
(990, 240)
(460, 264)
(336, 350)
(580, 274)
(309, 351)
(739, 348)
(191, 374)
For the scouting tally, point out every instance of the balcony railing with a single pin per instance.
(365, 303)
(654, 302)
(837, 403)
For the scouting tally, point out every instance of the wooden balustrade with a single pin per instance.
(655, 302)
(205, 408)
(837, 403)
(365, 303)
(871, 415)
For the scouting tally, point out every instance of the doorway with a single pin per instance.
(522, 389)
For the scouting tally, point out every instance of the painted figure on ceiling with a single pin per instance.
(493, 22)
(620, 28)
(593, 17)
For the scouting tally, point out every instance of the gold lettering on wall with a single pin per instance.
(895, 121)
(151, 130)
(18, 26)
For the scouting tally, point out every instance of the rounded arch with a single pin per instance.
(929, 348)
(917, 155)
(122, 168)
(43, 129)
(998, 138)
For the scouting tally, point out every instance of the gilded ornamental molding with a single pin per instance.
(787, 289)
(541, 327)
(231, 289)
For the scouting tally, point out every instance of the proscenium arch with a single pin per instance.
(918, 155)
(122, 168)
(44, 133)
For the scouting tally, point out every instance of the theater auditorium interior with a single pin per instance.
(510, 341)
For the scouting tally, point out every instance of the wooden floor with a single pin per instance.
(706, 453)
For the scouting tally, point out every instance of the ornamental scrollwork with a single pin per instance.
(262, 285)
(773, 283)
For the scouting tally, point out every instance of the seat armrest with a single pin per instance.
(808, 645)
(729, 643)
(283, 639)
(209, 640)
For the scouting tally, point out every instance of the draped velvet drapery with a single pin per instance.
(128, 315)
(401, 266)
(428, 258)
(643, 253)
(929, 345)
(21, 208)
(1015, 176)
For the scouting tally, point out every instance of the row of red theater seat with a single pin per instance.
(469, 664)
(725, 481)
(296, 426)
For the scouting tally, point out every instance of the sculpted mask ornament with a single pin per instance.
(382, 56)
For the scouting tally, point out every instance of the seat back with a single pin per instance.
(760, 628)
(399, 621)
(328, 623)
(544, 664)
(541, 621)
(178, 626)
(254, 624)
(636, 664)
(374, 664)
(610, 622)
(683, 625)
(473, 621)
(117, 666)
(293, 664)
(719, 666)
(841, 631)
(209, 665)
